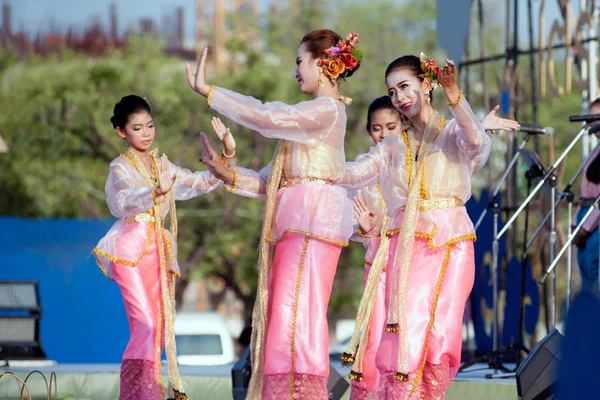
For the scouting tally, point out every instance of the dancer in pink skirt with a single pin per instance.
(139, 254)
(307, 218)
(425, 176)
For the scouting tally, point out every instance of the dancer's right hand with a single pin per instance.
(225, 136)
(165, 180)
(211, 159)
(366, 219)
(197, 80)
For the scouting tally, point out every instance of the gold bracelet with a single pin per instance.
(362, 235)
(154, 196)
(235, 179)
(458, 101)
(209, 95)
(233, 160)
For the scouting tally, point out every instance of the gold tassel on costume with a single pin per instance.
(360, 337)
(167, 308)
(392, 328)
(356, 376)
(259, 313)
(406, 238)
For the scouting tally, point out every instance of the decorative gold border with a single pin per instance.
(430, 236)
(438, 288)
(295, 314)
(308, 235)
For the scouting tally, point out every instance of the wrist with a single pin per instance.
(452, 92)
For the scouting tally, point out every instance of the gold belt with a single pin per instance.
(143, 217)
(426, 205)
(296, 181)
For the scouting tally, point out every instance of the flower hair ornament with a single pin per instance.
(430, 70)
(341, 60)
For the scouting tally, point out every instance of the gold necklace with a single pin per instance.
(139, 165)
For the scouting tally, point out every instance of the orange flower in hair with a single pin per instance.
(334, 67)
(342, 59)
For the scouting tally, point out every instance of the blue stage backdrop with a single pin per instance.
(84, 319)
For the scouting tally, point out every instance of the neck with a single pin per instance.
(330, 90)
(141, 154)
(420, 121)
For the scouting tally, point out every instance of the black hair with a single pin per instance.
(381, 103)
(125, 107)
(412, 63)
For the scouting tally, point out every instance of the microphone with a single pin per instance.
(536, 130)
(584, 118)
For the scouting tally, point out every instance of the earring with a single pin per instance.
(428, 100)
(321, 80)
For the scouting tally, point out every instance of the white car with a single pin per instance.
(203, 338)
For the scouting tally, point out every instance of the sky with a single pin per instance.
(37, 15)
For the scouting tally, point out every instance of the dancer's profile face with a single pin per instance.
(595, 109)
(307, 70)
(139, 131)
(407, 91)
(384, 122)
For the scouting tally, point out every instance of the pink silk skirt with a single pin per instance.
(297, 342)
(367, 389)
(140, 288)
(435, 369)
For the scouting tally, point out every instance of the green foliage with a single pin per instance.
(56, 111)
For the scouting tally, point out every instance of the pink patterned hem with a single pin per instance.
(305, 387)
(433, 385)
(138, 381)
(359, 393)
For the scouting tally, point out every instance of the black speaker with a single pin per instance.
(537, 376)
(336, 385)
(242, 370)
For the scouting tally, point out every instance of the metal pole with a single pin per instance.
(569, 252)
(550, 171)
(552, 252)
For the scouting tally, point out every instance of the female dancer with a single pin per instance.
(307, 219)
(425, 176)
(139, 254)
(369, 210)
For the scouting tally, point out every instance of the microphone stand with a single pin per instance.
(546, 176)
(568, 194)
(569, 240)
(502, 180)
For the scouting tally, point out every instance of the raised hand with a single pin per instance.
(165, 179)
(366, 219)
(211, 159)
(197, 80)
(225, 136)
(492, 123)
(447, 79)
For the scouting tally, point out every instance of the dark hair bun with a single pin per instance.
(125, 107)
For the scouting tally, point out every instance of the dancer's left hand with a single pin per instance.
(447, 79)
(224, 135)
(492, 123)
(197, 80)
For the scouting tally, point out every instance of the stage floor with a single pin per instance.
(101, 382)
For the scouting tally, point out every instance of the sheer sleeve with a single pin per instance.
(304, 122)
(122, 197)
(190, 184)
(473, 142)
(366, 169)
(252, 184)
